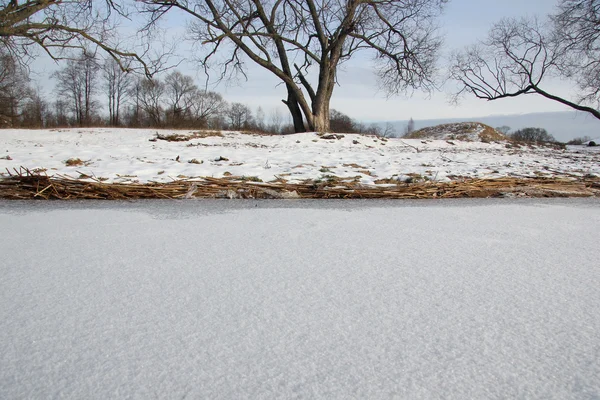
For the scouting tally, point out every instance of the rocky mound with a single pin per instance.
(466, 131)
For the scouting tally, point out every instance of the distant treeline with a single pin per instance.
(92, 92)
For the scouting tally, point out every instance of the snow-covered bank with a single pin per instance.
(128, 155)
(202, 299)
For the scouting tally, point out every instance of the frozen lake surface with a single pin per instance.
(308, 299)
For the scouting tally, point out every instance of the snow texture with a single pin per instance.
(128, 155)
(472, 299)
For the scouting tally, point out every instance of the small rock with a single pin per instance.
(221, 158)
(355, 142)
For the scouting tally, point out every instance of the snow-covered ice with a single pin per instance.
(128, 155)
(307, 299)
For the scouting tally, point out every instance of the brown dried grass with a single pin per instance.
(74, 162)
(24, 184)
(459, 131)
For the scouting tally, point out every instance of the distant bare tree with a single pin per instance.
(503, 129)
(389, 130)
(520, 55)
(77, 83)
(319, 35)
(35, 110)
(116, 86)
(14, 90)
(275, 121)
(239, 116)
(259, 119)
(149, 97)
(340, 122)
(180, 92)
(579, 140)
(135, 112)
(60, 113)
(533, 135)
(373, 129)
(206, 108)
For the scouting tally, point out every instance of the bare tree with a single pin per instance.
(577, 33)
(149, 97)
(319, 35)
(77, 84)
(373, 129)
(259, 119)
(14, 89)
(59, 26)
(504, 129)
(180, 92)
(206, 108)
(134, 112)
(35, 110)
(389, 130)
(533, 135)
(60, 113)
(520, 55)
(239, 116)
(275, 121)
(116, 86)
(340, 122)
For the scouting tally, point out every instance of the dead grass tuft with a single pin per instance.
(74, 162)
(354, 165)
(365, 171)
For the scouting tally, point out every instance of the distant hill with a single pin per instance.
(467, 131)
(562, 125)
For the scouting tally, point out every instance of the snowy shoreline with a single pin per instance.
(136, 156)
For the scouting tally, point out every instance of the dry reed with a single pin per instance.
(24, 184)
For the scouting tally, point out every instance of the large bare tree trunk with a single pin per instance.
(295, 111)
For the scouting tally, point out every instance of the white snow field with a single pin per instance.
(129, 155)
(494, 299)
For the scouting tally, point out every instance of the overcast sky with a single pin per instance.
(463, 22)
